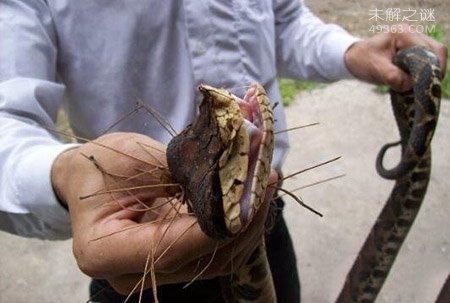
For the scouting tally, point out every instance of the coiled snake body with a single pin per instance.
(223, 162)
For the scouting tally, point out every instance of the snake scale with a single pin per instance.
(416, 113)
(222, 160)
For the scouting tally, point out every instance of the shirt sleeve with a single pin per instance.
(307, 48)
(29, 99)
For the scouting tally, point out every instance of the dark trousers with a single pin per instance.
(282, 263)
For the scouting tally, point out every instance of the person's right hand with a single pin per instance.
(371, 59)
(110, 237)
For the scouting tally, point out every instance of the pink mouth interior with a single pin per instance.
(253, 122)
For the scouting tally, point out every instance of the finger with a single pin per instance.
(222, 264)
(441, 52)
(414, 38)
(396, 78)
(230, 256)
(273, 180)
(233, 265)
(226, 259)
(126, 245)
(174, 243)
(231, 246)
(236, 253)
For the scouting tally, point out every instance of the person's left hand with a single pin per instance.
(370, 60)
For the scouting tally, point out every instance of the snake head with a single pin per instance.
(222, 160)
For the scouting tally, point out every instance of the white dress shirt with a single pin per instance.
(97, 58)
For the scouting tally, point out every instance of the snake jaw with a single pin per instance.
(258, 115)
(245, 164)
(233, 163)
(223, 159)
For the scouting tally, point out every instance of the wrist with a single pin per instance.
(60, 175)
(350, 58)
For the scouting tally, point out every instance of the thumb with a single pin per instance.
(271, 185)
(396, 78)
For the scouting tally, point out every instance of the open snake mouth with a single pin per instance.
(222, 160)
(253, 123)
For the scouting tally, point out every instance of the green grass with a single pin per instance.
(290, 88)
(438, 34)
(381, 89)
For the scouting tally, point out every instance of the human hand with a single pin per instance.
(112, 237)
(371, 59)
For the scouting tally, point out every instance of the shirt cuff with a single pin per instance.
(34, 188)
(340, 43)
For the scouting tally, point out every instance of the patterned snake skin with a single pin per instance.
(223, 166)
(198, 159)
(416, 114)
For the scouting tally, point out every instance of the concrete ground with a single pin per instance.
(355, 123)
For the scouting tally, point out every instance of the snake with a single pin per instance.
(416, 113)
(223, 161)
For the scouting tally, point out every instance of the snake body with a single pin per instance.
(416, 114)
(224, 174)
